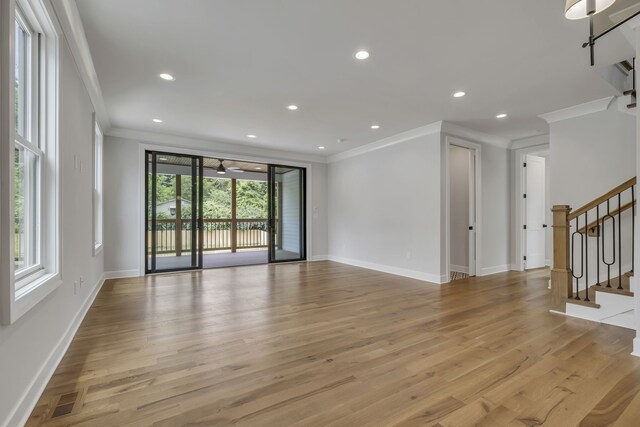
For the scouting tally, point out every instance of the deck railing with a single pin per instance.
(217, 235)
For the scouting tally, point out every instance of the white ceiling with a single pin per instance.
(239, 63)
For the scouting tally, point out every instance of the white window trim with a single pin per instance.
(98, 176)
(19, 294)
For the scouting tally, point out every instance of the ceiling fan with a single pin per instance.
(222, 170)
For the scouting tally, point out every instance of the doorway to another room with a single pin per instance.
(462, 212)
(536, 211)
(205, 212)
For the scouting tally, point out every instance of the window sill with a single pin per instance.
(32, 293)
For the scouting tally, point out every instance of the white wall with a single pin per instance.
(590, 155)
(459, 164)
(29, 348)
(124, 190)
(384, 209)
(496, 213)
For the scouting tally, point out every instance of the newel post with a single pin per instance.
(560, 273)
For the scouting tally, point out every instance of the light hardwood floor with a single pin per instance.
(325, 344)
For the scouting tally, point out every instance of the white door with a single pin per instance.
(534, 221)
(472, 213)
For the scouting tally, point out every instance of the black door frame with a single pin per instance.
(271, 183)
(197, 194)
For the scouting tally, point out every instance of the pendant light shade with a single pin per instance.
(579, 9)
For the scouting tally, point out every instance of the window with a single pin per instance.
(32, 238)
(28, 155)
(97, 189)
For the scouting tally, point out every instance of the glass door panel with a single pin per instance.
(287, 219)
(174, 212)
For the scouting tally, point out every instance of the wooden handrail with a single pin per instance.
(561, 273)
(620, 188)
(597, 222)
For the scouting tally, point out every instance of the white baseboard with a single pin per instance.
(486, 271)
(319, 258)
(22, 410)
(459, 268)
(514, 267)
(418, 275)
(636, 347)
(121, 274)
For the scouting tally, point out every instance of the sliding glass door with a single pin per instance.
(179, 236)
(287, 213)
(173, 212)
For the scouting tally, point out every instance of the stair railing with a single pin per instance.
(593, 246)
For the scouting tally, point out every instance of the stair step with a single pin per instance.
(581, 301)
(625, 291)
(626, 286)
(633, 105)
(631, 92)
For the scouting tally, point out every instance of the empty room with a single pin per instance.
(319, 213)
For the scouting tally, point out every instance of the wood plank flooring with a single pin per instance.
(325, 344)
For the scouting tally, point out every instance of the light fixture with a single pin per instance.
(375, 126)
(459, 94)
(163, 159)
(362, 54)
(501, 116)
(168, 77)
(292, 107)
(221, 170)
(321, 148)
(251, 136)
(579, 9)
(157, 120)
(258, 168)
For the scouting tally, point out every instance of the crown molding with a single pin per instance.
(531, 141)
(387, 142)
(73, 30)
(475, 136)
(578, 110)
(208, 145)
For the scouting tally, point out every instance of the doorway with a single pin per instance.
(536, 210)
(205, 212)
(462, 212)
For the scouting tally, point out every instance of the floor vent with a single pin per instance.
(65, 404)
(455, 275)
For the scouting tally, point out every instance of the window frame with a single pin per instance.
(98, 188)
(21, 292)
(30, 143)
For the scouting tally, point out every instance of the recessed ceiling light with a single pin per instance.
(168, 77)
(501, 116)
(459, 94)
(362, 54)
(251, 136)
(292, 107)
(375, 126)
(157, 120)
(321, 148)
(258, 168)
